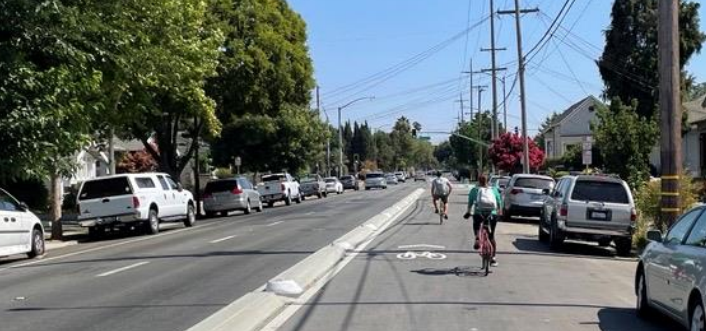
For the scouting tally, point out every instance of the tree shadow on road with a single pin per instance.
(625, 319)
(571, 249)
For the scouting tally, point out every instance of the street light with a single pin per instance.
(340, 132)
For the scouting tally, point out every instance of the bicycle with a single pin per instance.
(441, 208)
(486, 249)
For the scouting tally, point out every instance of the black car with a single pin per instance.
(349, 182)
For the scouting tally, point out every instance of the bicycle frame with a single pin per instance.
(486, 250)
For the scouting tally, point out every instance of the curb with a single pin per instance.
(51, 245)
(254, 310)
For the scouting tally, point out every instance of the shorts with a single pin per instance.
(493, 222)
(443, 198)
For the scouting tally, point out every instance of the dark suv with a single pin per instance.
(349, 182)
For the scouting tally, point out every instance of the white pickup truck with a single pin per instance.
(279, 187)
(133, 199)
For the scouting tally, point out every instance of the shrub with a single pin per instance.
(222, 173)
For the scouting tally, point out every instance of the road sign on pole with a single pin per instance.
(587, 157)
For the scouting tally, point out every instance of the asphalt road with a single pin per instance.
(176, 279)
(584, 287)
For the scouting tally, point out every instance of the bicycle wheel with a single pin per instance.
(486, 265)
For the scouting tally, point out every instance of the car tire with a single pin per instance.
(247, 209)
(623, 246)
(260, 208)
(299, 198)
(325, 194)
(38, 244)
(96, 232)
(319, 195)
(697, 316)
(152, 224)
(642, 309)
(288, 200)
(556, 238)
(541, 235)
(190, 219)
(270, 204)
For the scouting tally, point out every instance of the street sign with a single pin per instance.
(587, 157)
(238, 161)
(588, 139)
(587, 146)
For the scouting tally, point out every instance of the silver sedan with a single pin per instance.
(224, 195)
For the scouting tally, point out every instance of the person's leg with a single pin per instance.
(477, 220)
(493, 224)
(436, 206)
(445, 200)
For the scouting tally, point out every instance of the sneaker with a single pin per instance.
(436, 211)
(476, 245)
(446, 216)
(493, 262)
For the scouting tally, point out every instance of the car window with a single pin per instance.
(538, 183)
(330, 180)
(273, 178)
(8, 203)
(678, 231)
(373, 175)
(103, 188)
(220, 186)
(502, 183)
(171, 183)
(559, 187)
(590, 190)
(145, 182)
(163, 183)
(244, 184)
(697, 236)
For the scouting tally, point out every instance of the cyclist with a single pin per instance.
(488, 202)
(440, 190)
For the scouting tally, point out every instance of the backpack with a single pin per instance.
(440, 187)
(485, 200)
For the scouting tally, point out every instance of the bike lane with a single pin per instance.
(420, 275)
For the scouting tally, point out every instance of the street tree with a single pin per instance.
(626, 140)
(471, 153)
(506, 153)
(539, 139)
(628, 65)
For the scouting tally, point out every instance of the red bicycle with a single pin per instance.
(486, 249)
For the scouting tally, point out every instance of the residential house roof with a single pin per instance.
(584, 103)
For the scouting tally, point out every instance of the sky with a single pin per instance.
(410, 56)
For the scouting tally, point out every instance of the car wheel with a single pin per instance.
(697, 317)
(299, 198)
(190, 216)
(556, 238)
(288, 200)
(319, 195)
(260, 208)
(152, 222)
(543, 236)
(643, 308)
(37, 244)
(325, 194)
(248, 210)
(623, 246)
(270, 204)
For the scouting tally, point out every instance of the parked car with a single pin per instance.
(349, 182)
(333, 185)
(279, 187)
(391, 179)
(670, 276)
(420, 176)
(375, 180)
(525, 195)
(500, 182)
(590, 208)
(21, 232)
(145, 199)
(313, 185)
(224, 195)
(401, 177)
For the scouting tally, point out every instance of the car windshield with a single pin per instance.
(109, 187)
(220, 186)
(537, 183)
(274, 178)
(502, 182)
(308, 179)
(598, 191)
(330, 180)
(373, 175)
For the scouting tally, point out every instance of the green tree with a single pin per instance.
(697, 91)
(402, 143)
(443, 152)
(626, 140)
(629, 61)
(539, 139)
(471, 153)
(385, 153)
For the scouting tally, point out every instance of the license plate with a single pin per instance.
(267, 187)
(535, 196)
(599, 215)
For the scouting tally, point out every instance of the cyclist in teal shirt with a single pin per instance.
(489, 208)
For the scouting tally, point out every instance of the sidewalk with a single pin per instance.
(420, 275)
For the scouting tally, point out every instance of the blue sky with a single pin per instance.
(409, 54)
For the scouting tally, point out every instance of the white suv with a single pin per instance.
(21, 232)
(142, 199)
(591, 208)
(525, 195)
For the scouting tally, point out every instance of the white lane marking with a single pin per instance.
(132, 266)
(275, 223)
(409, 255)
(310, 213)
(421, 246)
(222, 239)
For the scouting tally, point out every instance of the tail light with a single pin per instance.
(516, 191)
(633, 215)
(282, 187)
(135, 202)
(564, 211)
(237, 190)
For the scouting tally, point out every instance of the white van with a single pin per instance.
(21, 232)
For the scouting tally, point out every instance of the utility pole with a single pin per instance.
(493, 70)
(481, 89)
(670, 108)
(504, 104)
(328, 136)
(470, 90)
(521, 72)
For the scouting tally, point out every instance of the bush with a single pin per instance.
(647, 202)
(222, 173)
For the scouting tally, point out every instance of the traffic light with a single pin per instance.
(517, 131)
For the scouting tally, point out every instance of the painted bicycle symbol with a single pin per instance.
(409, 255)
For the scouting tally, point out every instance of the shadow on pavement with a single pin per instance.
(624, 319)
(568, 249)
(456, 271)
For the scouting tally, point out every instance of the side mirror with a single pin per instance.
(180, 187)
(24, 206)
(546, 191)
(654, 235)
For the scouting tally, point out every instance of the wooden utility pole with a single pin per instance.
(481, 89)
(494, 130)
(670, 108)
(521, 72)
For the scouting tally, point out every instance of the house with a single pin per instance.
(571, 127)
(693, 141)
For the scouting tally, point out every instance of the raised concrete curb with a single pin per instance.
(255, 309)
(51, 245)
